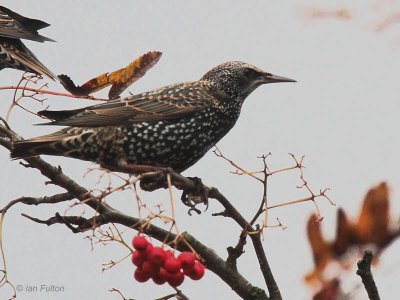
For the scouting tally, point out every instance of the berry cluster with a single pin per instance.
(161, 265)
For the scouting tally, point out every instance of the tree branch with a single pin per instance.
(38, 200)
(364, 271)
(256, 239)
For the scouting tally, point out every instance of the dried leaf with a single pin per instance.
(344, 234)
(320, 248)
(329, 291)
(123, 78)
(96, 84)
(373, 223)
(70, 86)
(371, 228)
(120, 79)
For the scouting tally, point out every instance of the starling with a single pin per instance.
(13, 53)
(173, 126)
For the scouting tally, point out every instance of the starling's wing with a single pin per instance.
(165, 103)
(18, 56)
(13, 25)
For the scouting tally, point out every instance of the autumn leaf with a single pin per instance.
(320, 248)
(123, 78)
(329, 291)
(373, 223)
(70, 86)
(344, 234)
(119, 80)
(372, 228)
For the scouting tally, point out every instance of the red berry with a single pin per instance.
(156, 256)
(176, 279)
(138, 258)
(141, 275)
(169, 254)
(150, 269)
(159, 279)
(172, 265)
(164, 274)
(140, 243)
(148, 250)
(195, 273)
(187, 260)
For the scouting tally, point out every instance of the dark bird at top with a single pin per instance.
(13, 53)
(173, 126)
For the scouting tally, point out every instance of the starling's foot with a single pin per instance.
(153, 182)
(192, 197)
(155, 179)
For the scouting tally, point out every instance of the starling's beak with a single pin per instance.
(271, 78)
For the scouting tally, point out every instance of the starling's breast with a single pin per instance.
(176, 143)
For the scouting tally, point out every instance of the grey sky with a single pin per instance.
(342, 114)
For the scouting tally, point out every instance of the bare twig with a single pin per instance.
(5, 280)
(256, 239)
(364, 271)
(119, 293)
(38, 200)
(47, 92)
(178, 295)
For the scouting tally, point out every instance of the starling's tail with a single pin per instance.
(18, 56)
(25, 149)
(66, 142)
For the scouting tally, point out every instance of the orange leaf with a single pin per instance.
(373, 222)
(120, 79)
(70, 86)
(344, 234)
(329, 291)
(123, 78)
(96, 84)
(319, 247)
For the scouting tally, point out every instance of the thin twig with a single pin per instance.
(46, 92)
(38, 200)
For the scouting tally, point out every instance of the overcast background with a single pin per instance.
(342, 114)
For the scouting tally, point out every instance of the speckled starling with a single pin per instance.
(13, 53)
(173, 126)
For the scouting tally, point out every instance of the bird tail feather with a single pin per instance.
(61, 143)
(25, 149)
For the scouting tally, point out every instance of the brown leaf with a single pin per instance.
(373, 223)
(70, 86)
(123, 78)
(344, 234)
(96, 84)
(329, 291)
(371, 228)
(319, 247)
(120, 79)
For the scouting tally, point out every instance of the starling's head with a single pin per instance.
(239, 79)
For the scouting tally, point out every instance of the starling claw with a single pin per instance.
(154, 180)
(192, 197)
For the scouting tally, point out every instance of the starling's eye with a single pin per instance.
(248, 73)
